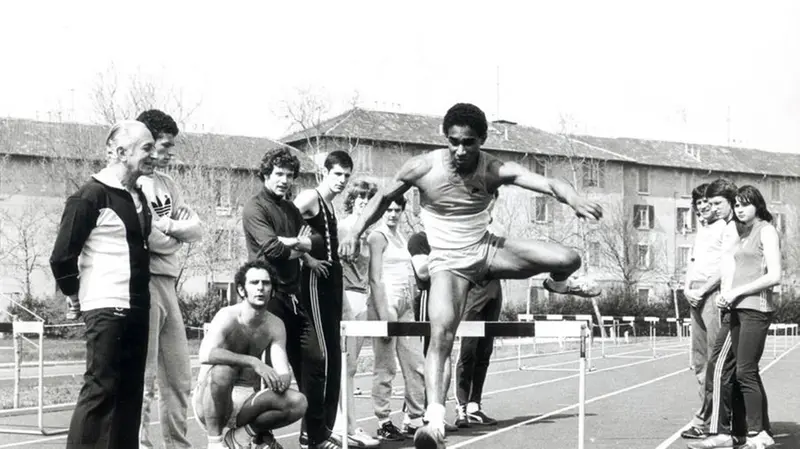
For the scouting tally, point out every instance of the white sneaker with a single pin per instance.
(359, 438)
(761, 441)
(583, 287)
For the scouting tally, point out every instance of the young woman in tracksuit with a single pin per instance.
(748, 274)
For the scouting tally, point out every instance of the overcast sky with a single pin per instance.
(611, 68)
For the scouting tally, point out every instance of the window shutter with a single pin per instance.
(651, 216)
(650, 257)
(679, 224)
(601, 173)
(636, 222)
(694, 220)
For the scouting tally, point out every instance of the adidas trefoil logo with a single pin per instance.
(162, 209)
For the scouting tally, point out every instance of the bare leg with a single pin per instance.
(447, 301)
(267, 410)
(213, 401)
(521, 259)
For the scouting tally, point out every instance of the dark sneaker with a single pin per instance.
(303, 440)
(331, 443)
(266, 440)
(693, 433)
(389, 432)
(480, 418)
(582, 288)
(428, 438)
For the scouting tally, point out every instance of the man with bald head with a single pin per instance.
(106, 225)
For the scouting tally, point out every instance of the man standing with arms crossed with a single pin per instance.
(456, 186)
(321, 295)
(106, 224)
(275, 232)
(174, 224)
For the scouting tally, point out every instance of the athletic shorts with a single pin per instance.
(356, 305)
(471, 262)
(239, 396)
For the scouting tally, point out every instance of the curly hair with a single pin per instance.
(279, 157)
(722, 187)
(466, 114)
(158, 123)
(240, 277)
(359, 189)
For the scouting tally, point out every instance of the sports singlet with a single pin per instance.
(454, 207)
(325, 224)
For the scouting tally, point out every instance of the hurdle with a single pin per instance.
(787, 328)
(577, 329)
(527, 317)
(19, 329)
(629, 321)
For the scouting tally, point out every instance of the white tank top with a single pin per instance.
(397, 269)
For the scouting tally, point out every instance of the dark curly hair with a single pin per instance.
(279, 157)
(466, 114)
(359, 189)
(158, 123)
(400, 200)
(240, 277)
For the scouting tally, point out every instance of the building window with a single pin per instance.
(687, 184)
(776, 191)
(683, 257)
(538, 166)
(540, 209)
(644, 180)
(593, 175)
(687, 220)
(643, 216)
(225, 244)
(594, 254)
(779, 221)
(644, 295)
(222, 194)
(643, 255)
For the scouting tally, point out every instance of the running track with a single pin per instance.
(633, 401)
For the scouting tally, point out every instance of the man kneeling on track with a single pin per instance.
(228, 392)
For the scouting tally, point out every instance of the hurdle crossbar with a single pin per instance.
(19, 329)
(588, 319)
(469, 329)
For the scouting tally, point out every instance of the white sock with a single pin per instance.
(215, 442)
(435, 415)
(473, 407)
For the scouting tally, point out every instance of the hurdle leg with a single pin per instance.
(40, 411)
(582, 394)
(343, 388)
(519, 353)
(17, 367)
(653, 338)
(774, 342)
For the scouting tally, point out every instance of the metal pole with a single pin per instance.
(41, 379)
(17, 367)
(582, 393)
(343, 387)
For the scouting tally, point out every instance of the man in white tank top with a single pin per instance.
(456, 186)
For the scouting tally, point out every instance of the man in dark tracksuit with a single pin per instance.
(322, 287)
(106, 224)
(275, 231)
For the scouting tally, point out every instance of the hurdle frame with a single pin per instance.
(527, 317)
(18, 330)
(465, 329)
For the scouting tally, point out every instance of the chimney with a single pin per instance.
(505, 124)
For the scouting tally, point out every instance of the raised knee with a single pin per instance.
(221, 376)
(297, 405)
(569, 260)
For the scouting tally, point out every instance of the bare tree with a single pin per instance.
(28, 229)
(628, 252)
(115, 100)
(305, 111)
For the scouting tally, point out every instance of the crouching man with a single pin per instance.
(235, 388)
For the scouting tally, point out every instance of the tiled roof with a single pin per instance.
(35, 138)
(700, 157)
(425, 130)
